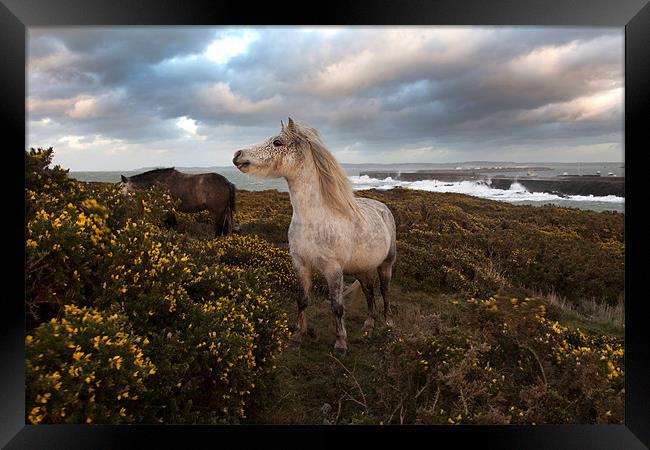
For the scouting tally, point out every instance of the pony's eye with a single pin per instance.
(277, 143)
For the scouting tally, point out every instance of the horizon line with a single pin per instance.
(367, 163)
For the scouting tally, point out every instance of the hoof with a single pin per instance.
(340, 347)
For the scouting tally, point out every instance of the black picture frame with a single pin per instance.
(632, 15)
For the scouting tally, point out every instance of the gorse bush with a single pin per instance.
(65, 246)
(216, 328)
(475, 246)
(66, 234)
(266, 214)
(69, 231)
(453, 243)
(40, 177)
(153, 205)
(86, 367)
(167, 329)
(510, 364)
(251, 252)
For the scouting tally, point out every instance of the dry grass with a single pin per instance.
(487, 373)
(591, 313)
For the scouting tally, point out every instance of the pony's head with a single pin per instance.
(281, 155)
(144, 180)
(298, 150)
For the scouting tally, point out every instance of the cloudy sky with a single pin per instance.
(120, 98)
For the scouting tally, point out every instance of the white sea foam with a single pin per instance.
(516, 193)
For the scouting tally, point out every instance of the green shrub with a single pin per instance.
(510, 364)
(207, 325)
(152, 205)
(456, 243)
(40, 177)
(87, 367)
(252, 252)
(210, 319)
(267, 214)
(474, 246)
(65, 247)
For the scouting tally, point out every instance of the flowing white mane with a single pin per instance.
(335, 187)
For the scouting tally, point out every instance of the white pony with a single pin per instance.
(331, 231)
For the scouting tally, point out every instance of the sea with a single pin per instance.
(517, 194)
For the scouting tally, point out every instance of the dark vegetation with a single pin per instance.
(457, 243)
(131, 322)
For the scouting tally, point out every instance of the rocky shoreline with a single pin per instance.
(561, 185)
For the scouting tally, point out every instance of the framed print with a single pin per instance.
(305, 221)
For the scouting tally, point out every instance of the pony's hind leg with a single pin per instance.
(221, 224)
(385, 271)
(367, 285)
(305, 281)
(335, 285)
(217, 224)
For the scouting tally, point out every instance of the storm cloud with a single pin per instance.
(113, 98)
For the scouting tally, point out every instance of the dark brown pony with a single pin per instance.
(196, 192)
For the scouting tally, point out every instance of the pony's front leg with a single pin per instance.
(305, 281)
(335, 285)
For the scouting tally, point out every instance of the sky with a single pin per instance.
(122, 98)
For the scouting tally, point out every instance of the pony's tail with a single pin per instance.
(232, 189)
(230, 210)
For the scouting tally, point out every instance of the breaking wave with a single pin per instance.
(516, 193)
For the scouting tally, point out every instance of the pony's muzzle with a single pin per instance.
(239, 161)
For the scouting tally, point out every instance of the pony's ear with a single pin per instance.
(291, 126)
(123, 178)
(281, 126)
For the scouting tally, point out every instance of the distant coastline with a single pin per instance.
(515, 192)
